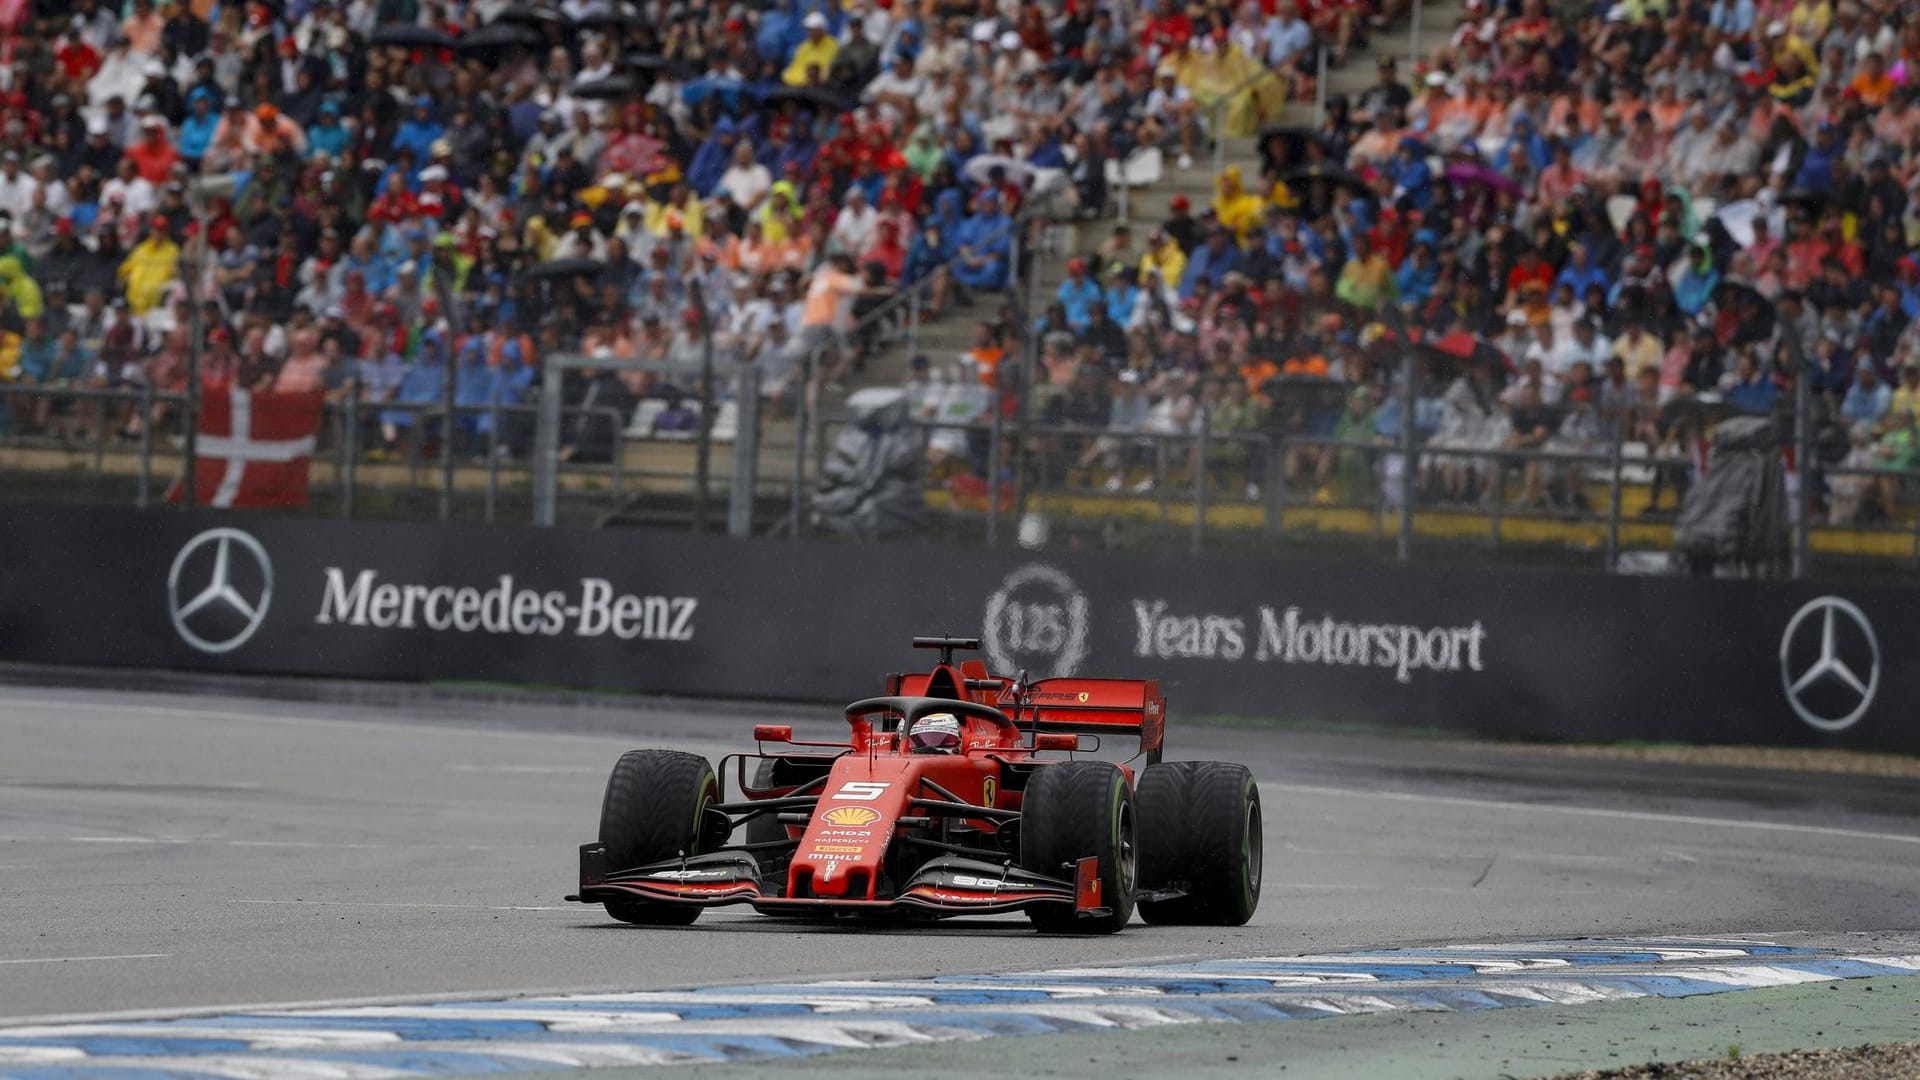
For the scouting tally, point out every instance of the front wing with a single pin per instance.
(944, 886)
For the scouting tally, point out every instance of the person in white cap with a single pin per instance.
(16, 185)
(944, 50)
(816, 52)
(1015, 60)
(854, 228)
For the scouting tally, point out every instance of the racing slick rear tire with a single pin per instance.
(1201, 831)
(656, 808)
(1075, 810)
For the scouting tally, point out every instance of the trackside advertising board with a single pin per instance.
(1548, 655)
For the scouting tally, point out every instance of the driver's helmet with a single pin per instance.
(934, 733)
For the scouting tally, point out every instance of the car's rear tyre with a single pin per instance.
(657, 808)
(1072, 811)
(1160, 802)
(1201, 831)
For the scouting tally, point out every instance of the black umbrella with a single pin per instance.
(1329, 174)
(1294, 140)
(562, 268)
(1755, 311)
(531, 15)
(661, 65)
(611, 88)
(1811, 198)
(412, 36)
(618, 20)
(1453, 352)
(817, 96)
(501, 35)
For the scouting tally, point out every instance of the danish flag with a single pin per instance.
(254, 448)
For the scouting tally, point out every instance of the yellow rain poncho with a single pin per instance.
(22, 291)
(1235, 207)
(1212, 76)
(148, 268)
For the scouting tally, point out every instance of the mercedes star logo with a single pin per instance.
(219, 589)
(1824, 681)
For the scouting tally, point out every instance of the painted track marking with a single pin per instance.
(776, 1021)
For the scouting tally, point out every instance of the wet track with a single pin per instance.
(164, 852)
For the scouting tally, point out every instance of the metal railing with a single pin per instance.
(1164, 477)
(341, 445)
(1190, 483)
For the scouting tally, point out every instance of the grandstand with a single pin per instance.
(1207, 247)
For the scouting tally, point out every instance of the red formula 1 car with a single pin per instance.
(957, 793)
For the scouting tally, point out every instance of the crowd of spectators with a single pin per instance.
(1602, 218)
(369, 197)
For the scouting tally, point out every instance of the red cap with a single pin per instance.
(581, 218)
(62, 226)
(1179, 203)
(159, 221)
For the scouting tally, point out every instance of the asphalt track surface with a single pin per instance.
(168, 852)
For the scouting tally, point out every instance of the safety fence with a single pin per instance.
(1612, 497)
(1245, 491)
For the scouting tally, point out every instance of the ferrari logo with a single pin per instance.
(851, 815)
(1084, 696)
(988, 789)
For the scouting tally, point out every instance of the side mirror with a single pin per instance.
(773, 733)
(1056, 740)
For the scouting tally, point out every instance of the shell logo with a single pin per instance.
(852, 816)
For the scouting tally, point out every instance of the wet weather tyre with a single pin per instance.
(1160, 805)
(1072, 811)
(1218, 833)
(656, 808)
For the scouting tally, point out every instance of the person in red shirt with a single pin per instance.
(1839, 247)
(887, 250)
(1169, 29)
(77, 59)
(396, 203)
(1331, 19)
(1805, 253)
(1531, 269)
(154, 155)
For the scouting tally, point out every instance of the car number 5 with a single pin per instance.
(860, 791)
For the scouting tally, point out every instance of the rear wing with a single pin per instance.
(1067, 704)
(1099, 707)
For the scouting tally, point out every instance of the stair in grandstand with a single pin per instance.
(1147, 207)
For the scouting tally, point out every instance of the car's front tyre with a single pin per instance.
(658, 806)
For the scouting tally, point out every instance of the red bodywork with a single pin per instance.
(867, 826)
